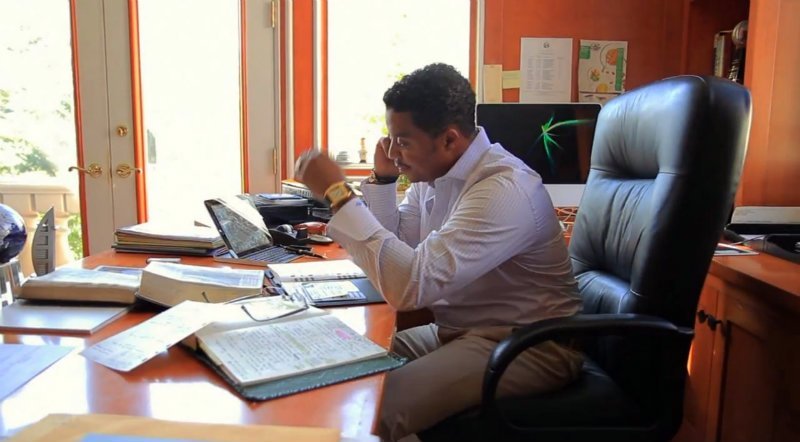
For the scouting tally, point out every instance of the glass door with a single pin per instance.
(124, 111)
(37, 122)
(190, 64)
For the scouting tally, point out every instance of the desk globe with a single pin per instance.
(12, 233)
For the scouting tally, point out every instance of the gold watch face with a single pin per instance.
(338, 193)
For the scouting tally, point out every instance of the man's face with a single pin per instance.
(416, 154)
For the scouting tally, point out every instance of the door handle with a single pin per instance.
(94, 170)
(124, 170)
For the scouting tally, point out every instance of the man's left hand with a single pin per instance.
(318, 172)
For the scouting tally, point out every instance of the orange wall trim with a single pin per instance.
(136, 102)
(78, 124)
(303, 50)
(244, 131)
(282, 68)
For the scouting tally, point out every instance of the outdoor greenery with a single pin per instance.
(20, 155)
(74, 237)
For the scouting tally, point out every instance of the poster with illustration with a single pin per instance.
(601, 70)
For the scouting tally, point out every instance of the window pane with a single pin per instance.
(371, 44)
(190, 97)
(37, 121)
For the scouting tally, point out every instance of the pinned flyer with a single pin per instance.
(137, 345)
(602, 67)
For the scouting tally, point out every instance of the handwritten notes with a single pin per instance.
(136, 345)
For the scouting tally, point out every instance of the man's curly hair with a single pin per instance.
(436, 95)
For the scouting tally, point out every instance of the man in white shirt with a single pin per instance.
(475, 240)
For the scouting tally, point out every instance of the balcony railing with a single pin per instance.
(32, 199)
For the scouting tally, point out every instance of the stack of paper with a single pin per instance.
(168, 238)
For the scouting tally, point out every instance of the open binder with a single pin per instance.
(329, 283)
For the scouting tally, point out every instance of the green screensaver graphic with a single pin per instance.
(548, 138)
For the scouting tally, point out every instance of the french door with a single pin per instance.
(175, 103)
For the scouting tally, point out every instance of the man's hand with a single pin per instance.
(317, 171)
(384, 166)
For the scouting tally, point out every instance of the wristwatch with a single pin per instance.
(375, 179)
(338, 193)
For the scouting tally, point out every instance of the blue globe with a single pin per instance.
(12, 233)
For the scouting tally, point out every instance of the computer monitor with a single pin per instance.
(554, 139)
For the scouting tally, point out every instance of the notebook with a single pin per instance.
(243, 230)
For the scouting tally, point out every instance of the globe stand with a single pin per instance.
(10, 281)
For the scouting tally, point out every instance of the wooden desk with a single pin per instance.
(176, 386)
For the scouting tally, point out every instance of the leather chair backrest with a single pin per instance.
(665, 166)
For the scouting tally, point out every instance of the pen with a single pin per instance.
(149, 260)
(303, 251)
(308, 253)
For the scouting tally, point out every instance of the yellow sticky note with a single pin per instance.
(511, 80)
(492, 83)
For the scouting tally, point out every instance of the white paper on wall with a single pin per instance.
(546, 65)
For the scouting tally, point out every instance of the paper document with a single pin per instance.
(602, 68)
(546, 65)
(316, 291)
(118, 428)
(731, 250)
(136, 345)
(317, 270)
(21, 363)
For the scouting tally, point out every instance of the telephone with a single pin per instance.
(286, 235)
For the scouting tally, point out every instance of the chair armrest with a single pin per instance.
(592, 325)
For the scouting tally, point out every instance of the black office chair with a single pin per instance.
(665, 166)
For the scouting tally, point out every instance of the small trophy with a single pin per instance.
(362, 152)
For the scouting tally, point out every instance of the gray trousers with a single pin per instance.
(443, 379)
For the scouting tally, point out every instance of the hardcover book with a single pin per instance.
(168, 284)
(78, 284)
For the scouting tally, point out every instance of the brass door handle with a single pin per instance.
(94, 170)
(124, 170)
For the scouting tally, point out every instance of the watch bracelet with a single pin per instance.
(374, 178)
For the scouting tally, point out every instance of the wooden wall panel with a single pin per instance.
(771, 175)
(706, 18)
(303, 49)
(645, 25)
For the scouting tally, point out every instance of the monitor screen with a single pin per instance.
(554, 139)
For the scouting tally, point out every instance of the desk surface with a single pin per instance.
(176, 386)
(776, 280)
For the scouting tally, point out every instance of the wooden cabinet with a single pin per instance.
(743, 374)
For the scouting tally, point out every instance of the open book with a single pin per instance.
(169, 284)
(290, 348)
(278, 350)
(83, 285)
(325, 283)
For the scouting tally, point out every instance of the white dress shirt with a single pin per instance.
(480, 246)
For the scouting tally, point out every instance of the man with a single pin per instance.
(475, 240)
